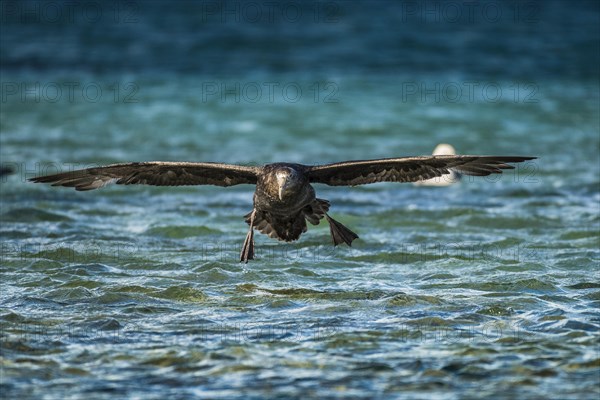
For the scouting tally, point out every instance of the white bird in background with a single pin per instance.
(442, 149)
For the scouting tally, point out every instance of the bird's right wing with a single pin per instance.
(408, 169)
(155, 173)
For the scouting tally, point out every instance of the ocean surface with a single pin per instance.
(488, 288)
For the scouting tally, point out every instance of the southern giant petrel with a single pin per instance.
(284, 198)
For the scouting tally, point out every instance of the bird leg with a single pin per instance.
(339, 233)
(247, 252)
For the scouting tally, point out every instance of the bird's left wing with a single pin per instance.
(408, 169)
(155, 173)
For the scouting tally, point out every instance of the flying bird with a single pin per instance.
(284, 198)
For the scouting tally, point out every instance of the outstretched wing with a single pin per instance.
(155, 173)
(408, 169)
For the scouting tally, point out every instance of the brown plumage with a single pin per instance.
(284, 198)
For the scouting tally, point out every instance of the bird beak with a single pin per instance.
(282, 182)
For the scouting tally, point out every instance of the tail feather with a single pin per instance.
(290, 228)
(339, 233)
(316, 211)
(287, 229)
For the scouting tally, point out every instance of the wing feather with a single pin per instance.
(408, 169)
(155, 173)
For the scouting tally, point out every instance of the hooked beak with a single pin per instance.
(283, 186)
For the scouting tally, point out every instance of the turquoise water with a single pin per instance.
(489, 288)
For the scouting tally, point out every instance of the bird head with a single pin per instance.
(286, 181)
(444, 149)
